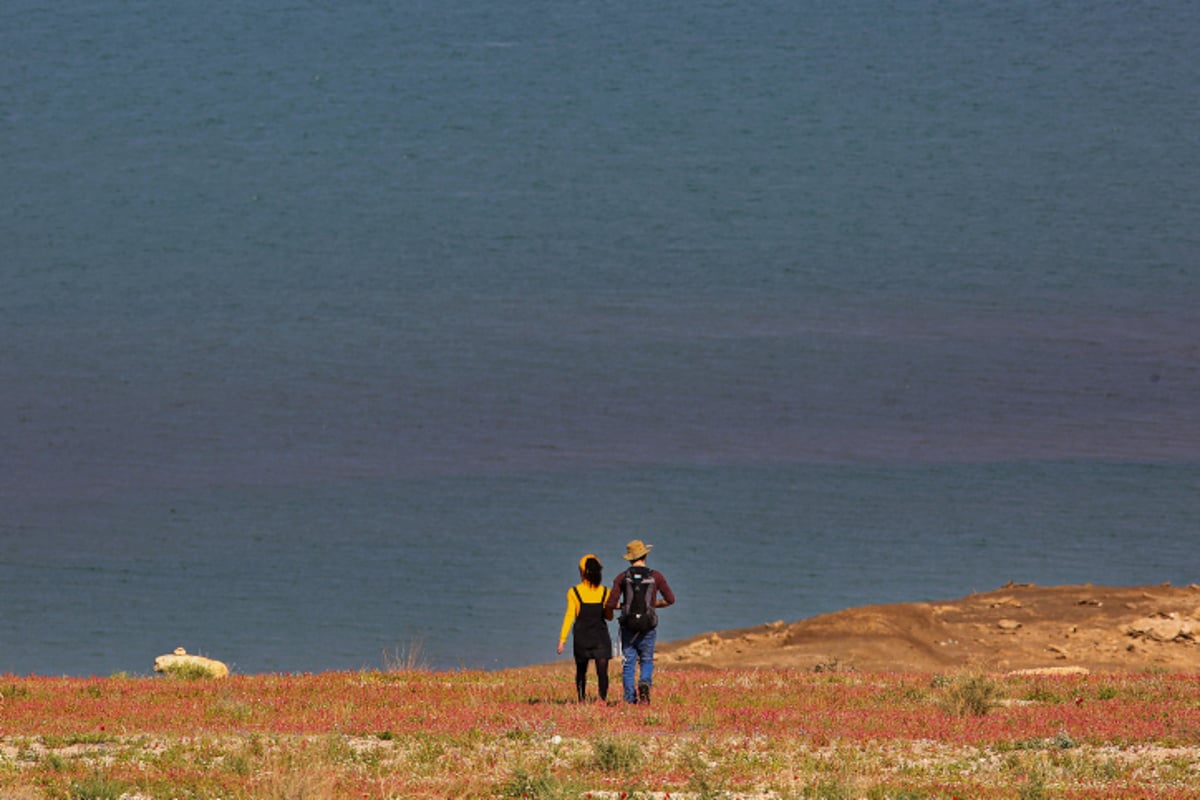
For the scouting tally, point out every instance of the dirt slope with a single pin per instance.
(1019, 626)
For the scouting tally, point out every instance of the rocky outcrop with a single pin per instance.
(1169, 627)
(181, 661)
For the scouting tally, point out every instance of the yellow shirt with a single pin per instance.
(590, 594)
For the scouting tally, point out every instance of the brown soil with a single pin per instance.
(1016, 627)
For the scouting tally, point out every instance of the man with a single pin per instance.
(640, 591)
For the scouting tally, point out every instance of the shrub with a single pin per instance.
(13, 691)
(614, 755)
(98, 787)
(299, 782)
(1034, 788)
(879, 793)
(829, 789)
(701, 783)
(972, 695)
(1064, 740)
(523, 784)
(406, 658)
(21, 793)
(189, 672)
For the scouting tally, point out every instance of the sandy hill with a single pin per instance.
(1019, 626)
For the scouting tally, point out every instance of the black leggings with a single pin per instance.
(581, 665)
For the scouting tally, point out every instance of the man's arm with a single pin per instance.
(613, 596)
(665, 596)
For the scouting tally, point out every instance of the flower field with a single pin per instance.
(517, 733)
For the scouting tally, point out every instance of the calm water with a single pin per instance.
(330, 331)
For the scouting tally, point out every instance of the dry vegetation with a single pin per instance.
(513, 734)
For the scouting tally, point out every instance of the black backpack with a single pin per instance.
(637, 614)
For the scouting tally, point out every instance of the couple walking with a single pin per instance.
(638, 591)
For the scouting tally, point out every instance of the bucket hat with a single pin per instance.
(637, 549)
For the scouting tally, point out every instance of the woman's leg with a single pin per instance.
(581, 665)
(602, 677)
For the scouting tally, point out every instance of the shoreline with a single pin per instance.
(1067, 627)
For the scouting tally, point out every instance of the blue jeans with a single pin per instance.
(638, 651)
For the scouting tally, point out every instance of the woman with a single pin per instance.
(587, 618)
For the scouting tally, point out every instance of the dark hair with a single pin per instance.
(591, 572)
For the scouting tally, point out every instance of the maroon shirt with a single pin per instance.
(616, 596)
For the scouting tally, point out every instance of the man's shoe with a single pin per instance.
(643, 692)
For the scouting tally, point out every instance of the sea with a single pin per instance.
(332, 335)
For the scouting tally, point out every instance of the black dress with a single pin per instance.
(590, 634)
